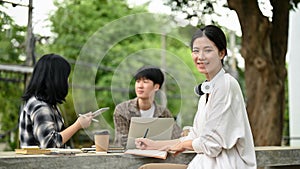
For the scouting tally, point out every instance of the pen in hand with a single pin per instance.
(146, 132)
(145, 135)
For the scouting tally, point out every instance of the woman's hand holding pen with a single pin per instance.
(144, 144)
(147, 144)
(85, 120)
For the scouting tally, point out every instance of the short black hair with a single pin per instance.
(213, 33)
(152, 73)
(49, 81)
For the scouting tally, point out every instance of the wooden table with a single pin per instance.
(269, 157)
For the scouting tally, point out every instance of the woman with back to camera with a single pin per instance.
(221, 134)
(40, 122)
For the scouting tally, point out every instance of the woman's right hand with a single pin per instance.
(85, 120)
(144, 143)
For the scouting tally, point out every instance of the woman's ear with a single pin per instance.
(222, 54)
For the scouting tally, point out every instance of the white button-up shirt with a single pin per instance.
(221, 131)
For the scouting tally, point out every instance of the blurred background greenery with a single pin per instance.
(73, 23)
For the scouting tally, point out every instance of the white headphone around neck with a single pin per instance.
(203, 88)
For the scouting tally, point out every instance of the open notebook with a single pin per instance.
(158, 129)
(148, 153)
(154, 153)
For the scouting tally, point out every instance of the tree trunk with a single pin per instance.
(264, 45)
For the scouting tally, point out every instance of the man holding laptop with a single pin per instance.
(148, 80)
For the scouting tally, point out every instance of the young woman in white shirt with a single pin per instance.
(221, 134)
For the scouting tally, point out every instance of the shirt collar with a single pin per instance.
(219, 74)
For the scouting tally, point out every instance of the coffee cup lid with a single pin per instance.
(101, 132)
(187, 127)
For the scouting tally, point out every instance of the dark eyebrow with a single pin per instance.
(206, 47)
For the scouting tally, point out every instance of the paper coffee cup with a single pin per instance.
(101, 139)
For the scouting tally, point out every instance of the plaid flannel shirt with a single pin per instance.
(40, 124)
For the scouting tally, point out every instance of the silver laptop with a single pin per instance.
(158, 129)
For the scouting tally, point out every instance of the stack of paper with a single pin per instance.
(32, 150)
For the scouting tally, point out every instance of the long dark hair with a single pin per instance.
(49, 81)
(213, 33)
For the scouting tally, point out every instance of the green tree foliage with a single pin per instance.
(75, 21)
(11, 84)
(12, 40)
